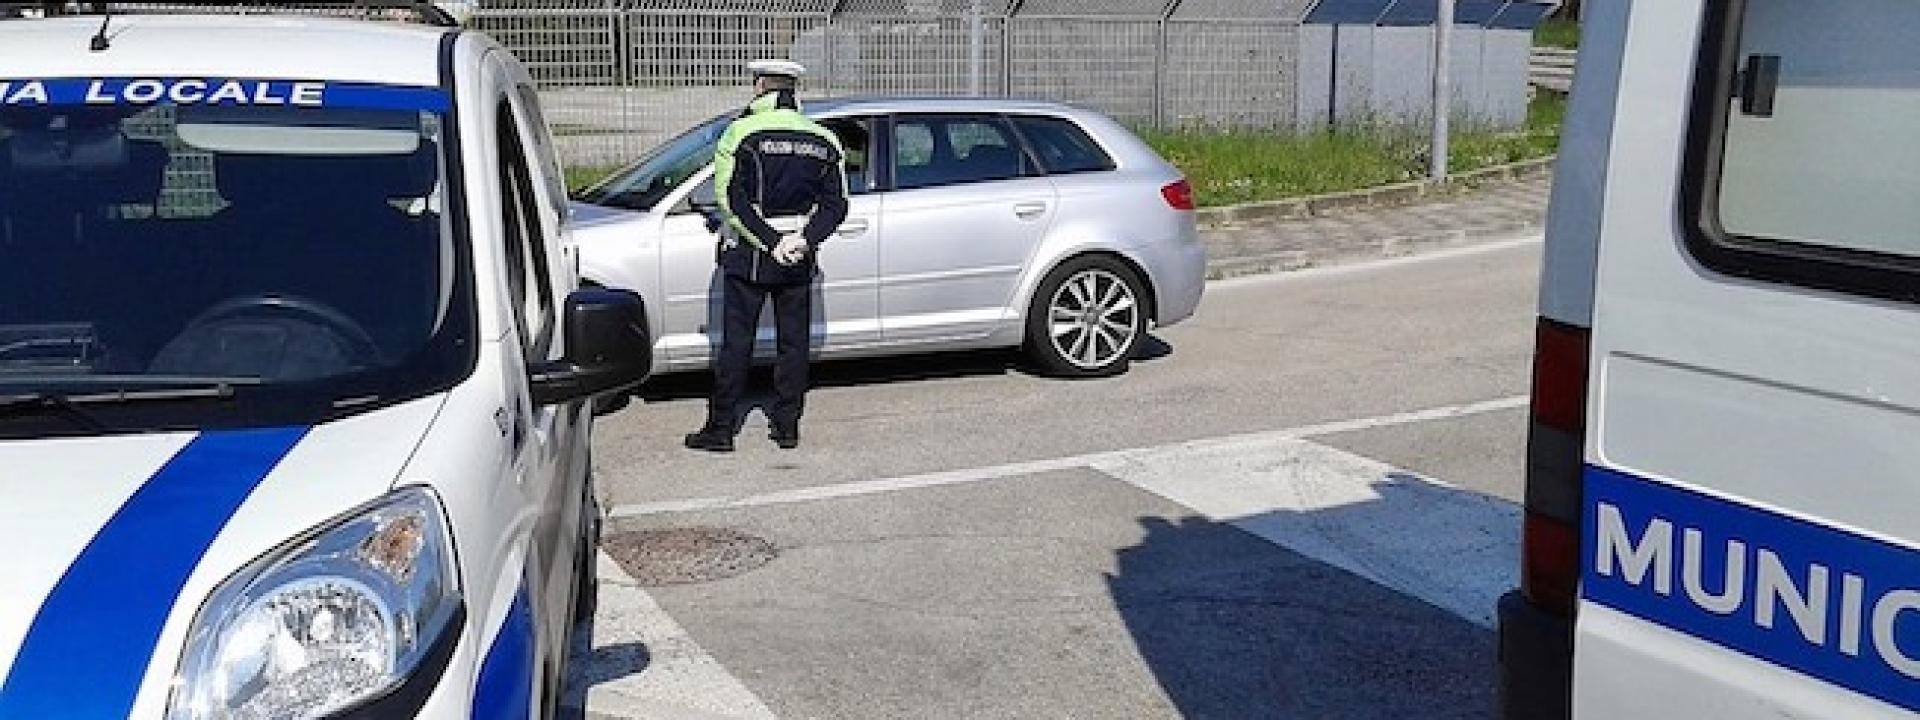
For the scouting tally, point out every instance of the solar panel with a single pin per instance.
(1521, 16)
(1348, 12)
(1477, 12)
(1411, 13)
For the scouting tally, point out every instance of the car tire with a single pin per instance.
(1087, 318)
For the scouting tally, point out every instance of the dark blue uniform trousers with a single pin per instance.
(741, 300)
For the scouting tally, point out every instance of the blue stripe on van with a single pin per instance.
(504, 690)
(90, 643)
(1831, 604)
(220, 92)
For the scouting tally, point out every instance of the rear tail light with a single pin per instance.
(1556, 443)
(1549, 563)
(1179, 195)
(1560, 376)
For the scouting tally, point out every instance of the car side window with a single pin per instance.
(930, 151)
(856, 137)
(529, 286)
(1062, 146)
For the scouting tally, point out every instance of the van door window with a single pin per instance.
(1803, 167)
(528, 283)
(544, 155)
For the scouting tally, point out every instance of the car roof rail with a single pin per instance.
(425, 11)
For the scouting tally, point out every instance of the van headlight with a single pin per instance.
(339, 618)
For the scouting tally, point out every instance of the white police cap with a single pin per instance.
(780, 68)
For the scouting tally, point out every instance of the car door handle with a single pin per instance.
(1029, 211)
(853, 228)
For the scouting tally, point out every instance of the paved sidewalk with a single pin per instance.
(1496, 211)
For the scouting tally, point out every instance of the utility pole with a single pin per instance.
(1442, 88)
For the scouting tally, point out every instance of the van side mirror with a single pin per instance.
(608, 349)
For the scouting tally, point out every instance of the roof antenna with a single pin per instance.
(100, 41)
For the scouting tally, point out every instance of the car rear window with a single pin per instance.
(1062, 146)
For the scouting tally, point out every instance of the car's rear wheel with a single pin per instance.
(1087, 318)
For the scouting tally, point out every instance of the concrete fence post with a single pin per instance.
(976, 49)
(1162, 74)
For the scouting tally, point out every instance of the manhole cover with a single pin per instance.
(679, 556)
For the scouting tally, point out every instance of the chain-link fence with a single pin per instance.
(619, 76)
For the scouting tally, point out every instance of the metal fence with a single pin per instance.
(619, 76)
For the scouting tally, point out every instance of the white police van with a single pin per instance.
(293, 394)
(1723, 499)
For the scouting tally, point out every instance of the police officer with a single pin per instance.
(773, 167)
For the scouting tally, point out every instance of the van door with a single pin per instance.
(968, 209)
(561, 431)
(542, 438)
(1752, 489)
(846, 310)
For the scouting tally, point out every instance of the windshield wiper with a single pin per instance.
(74, 405)
(16, 405)
(216, 391)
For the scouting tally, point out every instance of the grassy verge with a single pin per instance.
(1557, 33)
(1238, 167)
(1244, 166)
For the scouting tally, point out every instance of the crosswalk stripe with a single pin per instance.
(995, 472)
(1451, 548)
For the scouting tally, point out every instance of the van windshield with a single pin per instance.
(300, 258)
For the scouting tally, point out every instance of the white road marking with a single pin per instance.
(995, 472)
(676, 678)
(1372, 265)
(1455, 549)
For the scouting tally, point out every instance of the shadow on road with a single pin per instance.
(1235, 627)
(588, 666)
(876, 371)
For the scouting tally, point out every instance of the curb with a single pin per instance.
(1385, 196)
(1399, 246)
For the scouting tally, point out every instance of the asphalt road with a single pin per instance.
(1300, 505)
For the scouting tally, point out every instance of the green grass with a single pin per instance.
(1233, 167)
(1243, 166)
(1541, 137)
(1558, 33)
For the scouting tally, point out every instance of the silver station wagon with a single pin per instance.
(974, 223)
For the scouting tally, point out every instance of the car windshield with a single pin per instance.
(302, 255)
(644, 184)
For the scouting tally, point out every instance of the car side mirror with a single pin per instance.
(608, 349)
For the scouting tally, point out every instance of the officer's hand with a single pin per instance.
(791, 250)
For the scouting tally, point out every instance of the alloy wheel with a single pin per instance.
(1093, 319)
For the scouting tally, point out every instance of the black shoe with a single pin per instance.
(711, 439)
(786, 435)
